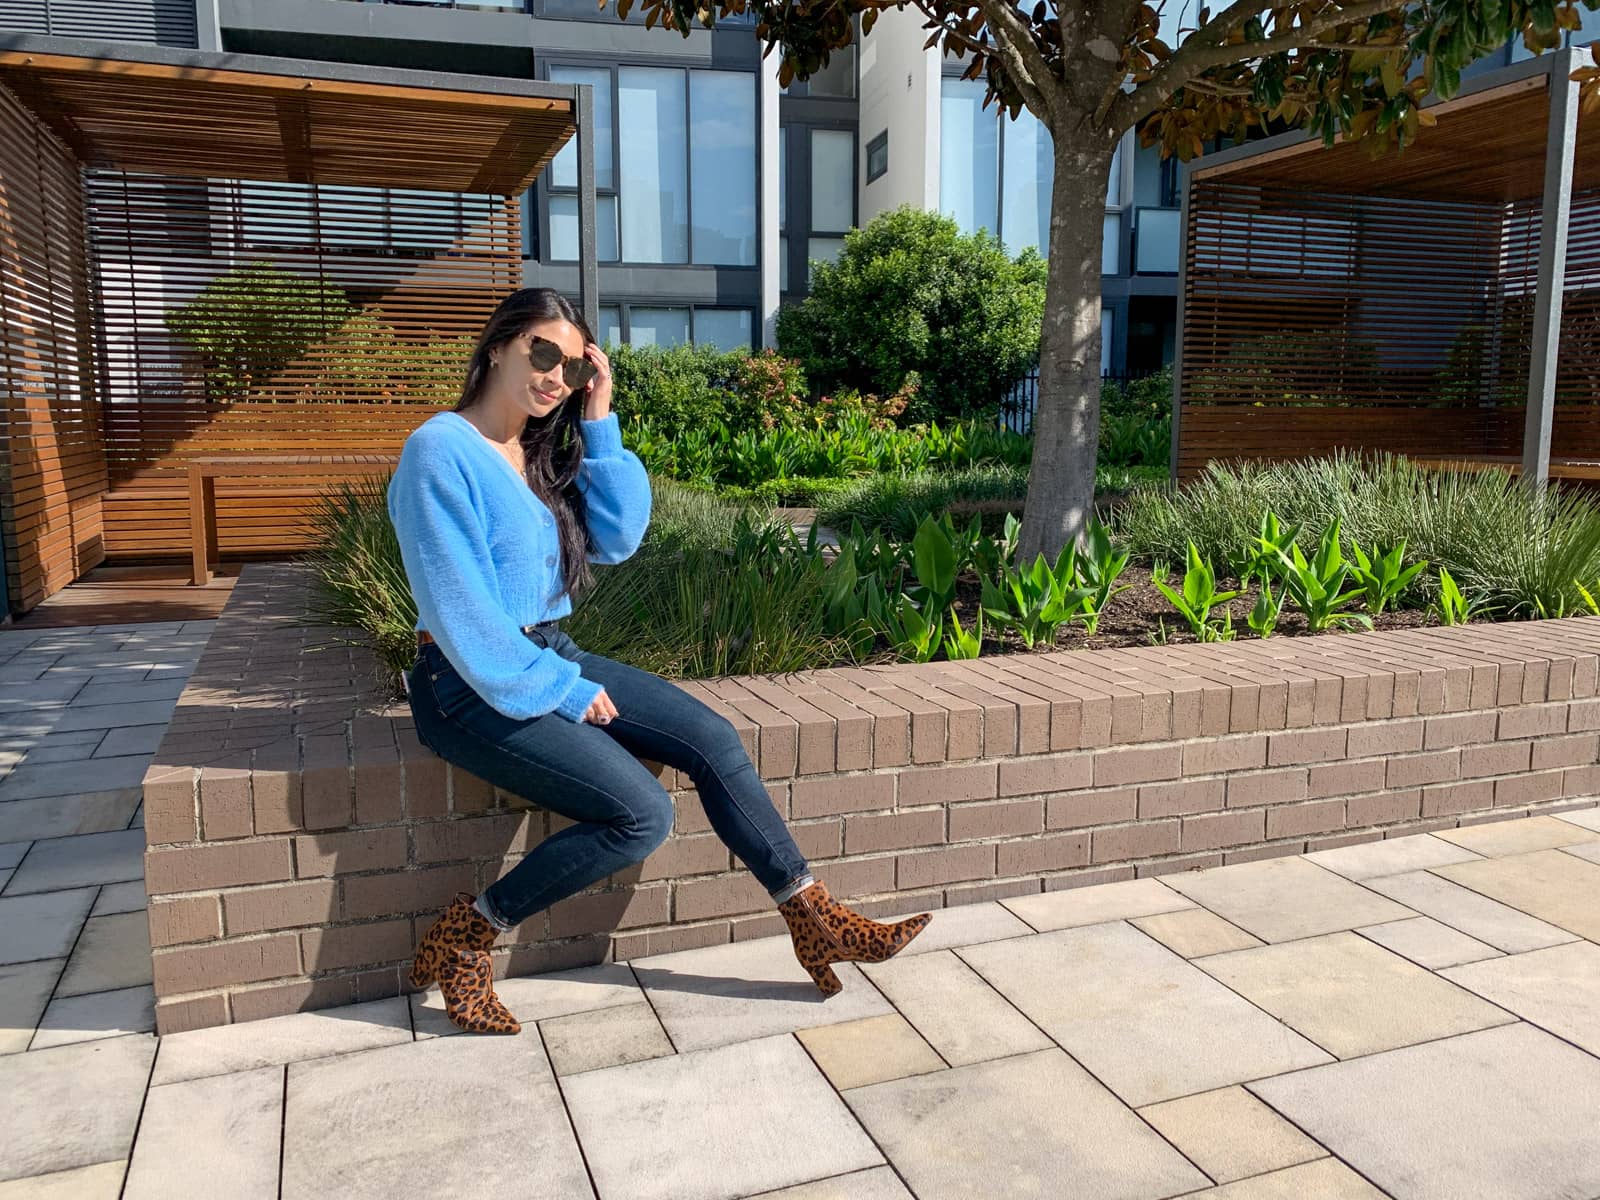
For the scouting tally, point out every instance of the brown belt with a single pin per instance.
(424, 638)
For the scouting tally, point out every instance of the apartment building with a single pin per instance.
(716, 187)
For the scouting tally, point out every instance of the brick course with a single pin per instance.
(296, 851)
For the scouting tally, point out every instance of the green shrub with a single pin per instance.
(676, 387)
(911, 293)
(1150, 396)
(249, 323)
(897, 504)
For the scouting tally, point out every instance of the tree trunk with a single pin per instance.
(1066, 420)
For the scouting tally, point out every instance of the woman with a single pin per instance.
(500, 505)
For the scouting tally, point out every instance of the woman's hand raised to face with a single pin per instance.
(597, 400)
(601, 711)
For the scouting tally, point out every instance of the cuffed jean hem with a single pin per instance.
(485, 904)
(792, 889)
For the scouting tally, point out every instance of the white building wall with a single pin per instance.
(900, 94)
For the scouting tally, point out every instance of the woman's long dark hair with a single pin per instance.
(552, 445)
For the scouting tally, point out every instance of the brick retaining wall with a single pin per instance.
(300, 837)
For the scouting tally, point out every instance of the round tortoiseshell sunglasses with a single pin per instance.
(545, 355)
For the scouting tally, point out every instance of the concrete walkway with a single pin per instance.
(1417, 1017)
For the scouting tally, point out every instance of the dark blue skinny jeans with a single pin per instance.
(591, 774)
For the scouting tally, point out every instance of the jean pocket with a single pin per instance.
(451, 693)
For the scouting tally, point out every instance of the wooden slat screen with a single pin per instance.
(52, 467)
(1316, 320)
(268, 317)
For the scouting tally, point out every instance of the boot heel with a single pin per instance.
(822, 975)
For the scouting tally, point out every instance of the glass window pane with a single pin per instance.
(1114, 180)
(838, 78)
(823, 249)
(722, 166)
(833, 192)
(969, 156)
(783, 264)
(1111, 244)
(654, 165)
(1026, 185)
(658, 326)
(1107, 324)
(724, 328)
(783, 171)
(610, 331)
(564, 168)
(564, 228)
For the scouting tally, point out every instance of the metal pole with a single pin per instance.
(1560, 148)
(1177, 341)
(588, 267)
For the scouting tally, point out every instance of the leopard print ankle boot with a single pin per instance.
(826, 932)
(454, 953)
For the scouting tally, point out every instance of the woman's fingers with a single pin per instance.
(601, 710)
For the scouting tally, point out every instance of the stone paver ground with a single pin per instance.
(1414, 1018)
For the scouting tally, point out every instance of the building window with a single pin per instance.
(833, 193)
(878, 156)
(652, 178)
(995, 173)
(676, 325)
(783, 210)
(836, 81)
(1169, 182)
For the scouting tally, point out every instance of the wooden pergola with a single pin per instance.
(206, 253)
(1441, 302)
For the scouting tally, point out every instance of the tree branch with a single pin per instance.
(1191, 60)
(1024, 61)
(936, 21)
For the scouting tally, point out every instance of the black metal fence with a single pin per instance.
(1016, 409)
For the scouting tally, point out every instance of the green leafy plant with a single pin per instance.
(1099, 566)
(1314, 586)
(1381, 576)
(1452, 606)
(1264, 614)
(1036, 601)
(960, 643)
(1198, 597)
(913, 633)
(1260, 560)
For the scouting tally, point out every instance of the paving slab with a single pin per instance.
(114, 716)
(24, 992)
(538, 997)
(137, 739)
(1477, 916)
(1588, 851)
(858, 1053)
(1589, 818)
(103, 1181)
(1557, 989)
(1194, 932)
(278, 1040)
(1496, 839)
(747, 990)
(987, 1130)
(964, 925)
(42, 926)
(650, 1130)
(1428, 943)
(955, 1009)
(112, 952)
(121, 898)
(66, 816)
(1325, 1179)
(72, 1019)
(1553, 887)
(1229, 1134)
(1500, 1114)
(1391, 856)
(83, 1105)
(1351, 996)
(607, 1037)
(1072, 907)
(11, 854)
(129, 692)
(1148, 1024)
(195, 1134)
(475, 1116)
(69, 862)
(70, 778)
(879, 1183)
(1279, 899)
